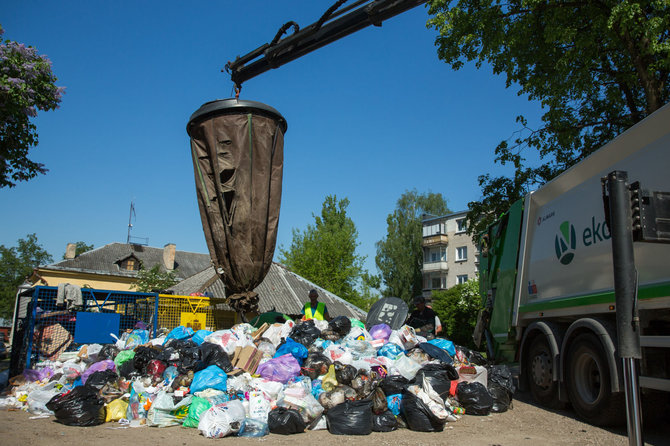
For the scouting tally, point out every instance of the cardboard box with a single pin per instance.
(247, 358)
(259, 333)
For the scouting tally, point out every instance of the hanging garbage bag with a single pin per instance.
(238, 157)
(474, 397)
(350, 418)
(80, 407)
(285, 421)
(384, 422)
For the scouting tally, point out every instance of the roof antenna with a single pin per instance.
(130, 226)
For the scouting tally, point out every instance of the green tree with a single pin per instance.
(154, 279)
(400, 255)
(325, 253)
(80, 248)
(16, 265)
(595, 67)
(457, 309)
(26, 85)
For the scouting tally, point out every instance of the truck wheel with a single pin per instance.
(589, 383)
(539, 364)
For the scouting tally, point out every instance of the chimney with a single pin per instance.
(168, 256)
(70, 251)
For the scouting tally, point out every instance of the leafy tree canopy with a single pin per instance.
(457, 309)
(325, 253)
(80, 248)
(400, 255)
(26, 85)
(154, 279)
(16, 265)
(596, 68)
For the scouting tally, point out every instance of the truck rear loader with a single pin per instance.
(547, 284)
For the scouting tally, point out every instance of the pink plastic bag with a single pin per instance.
(101, 366)
(380, 331)
(280, 369)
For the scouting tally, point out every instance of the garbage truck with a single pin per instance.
(547, 282)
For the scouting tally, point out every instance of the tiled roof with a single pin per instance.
(104, 260)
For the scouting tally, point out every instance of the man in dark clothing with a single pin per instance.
(422, 318)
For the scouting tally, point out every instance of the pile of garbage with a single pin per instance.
(281, 378)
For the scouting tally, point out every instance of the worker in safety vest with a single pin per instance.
(315, 309)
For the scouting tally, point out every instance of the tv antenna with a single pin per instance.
(130, 239)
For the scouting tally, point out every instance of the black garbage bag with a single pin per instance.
(472, 356)
(143, 356)
(394, 385)
(127, 370)
(305, 333)
(379, 403)
(501, 398)
(439, 376)
(362, 384)
(384, 422)
(80, 407)
(502, 376)
(97, 380)
(474, 397)
(330, 335)
(285, 421)
(316, 364)
(340, 325)
(182, 353)
(344, 373)
(108, 351)
(419, 416)
(350, 418)
(213, 354)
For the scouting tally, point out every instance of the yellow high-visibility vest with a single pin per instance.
(318, 314)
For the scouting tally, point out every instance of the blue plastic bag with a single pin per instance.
(394, 403)
(391, 351)
(252, 427)
(444, 344)
(180, 332)
(210, 378)
(136, 338)
(298, 351)
(200, 335)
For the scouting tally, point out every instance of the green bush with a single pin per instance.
(457, 309)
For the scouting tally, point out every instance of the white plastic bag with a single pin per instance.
(259, 406)
(222, 420)
(164, 412)
(406, 367)
(271, 389)
(480, 374)
(38, 398)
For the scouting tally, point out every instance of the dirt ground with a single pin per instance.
(525, 424)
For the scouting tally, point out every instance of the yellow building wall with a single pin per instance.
(84, 280)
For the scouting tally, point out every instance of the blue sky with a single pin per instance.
(369, 117)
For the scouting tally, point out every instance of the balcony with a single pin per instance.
(429, 267)
(437, 239)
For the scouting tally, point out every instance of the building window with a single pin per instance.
(461, 225)
(461, 253)
(438, 254)
(435, 282)
(130, 264)
(434, 229)
(462, 278)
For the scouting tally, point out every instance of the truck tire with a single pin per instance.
(540, 366)
(589, 383)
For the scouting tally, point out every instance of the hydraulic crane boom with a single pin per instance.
(333, 25)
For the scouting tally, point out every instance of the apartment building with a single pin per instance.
(449, 256)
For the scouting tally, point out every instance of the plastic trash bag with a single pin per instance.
(136, 338)
(474, 397)
(291, 347)
(285, 421)
(259, 405)
(210, 378)
(473, 374)
(266, 347)
(279, 369)
(116, 410)
(418, 415)
(316, 364)
(137, 401)
(108, 351)
(336, 352)
(222, 420)
(165, 412)
(350, 418)
(444, 344)
(330, 399)
(107, 364)
(97, 380)
(305, 333)
(380, 331)
(79, 407)
(299, 397)
(38, 399)
(214, 354)
(436, 352)
(501, 398)
(344, 373)
(252, 427)
(360, 349)
(269, 388)
(464, 354)
(329, 381)
(340, 325)
(407, 367)
(196, 409)
(502, 376)
(439, 376)
(394, 403)
(144, 355)
(38, 375)
(155, 368)
(384, 422)
(179, 333)
(123, 356)
(199, 336)
(391, 351)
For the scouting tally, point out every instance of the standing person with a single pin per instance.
(422, 319)
(315, 309)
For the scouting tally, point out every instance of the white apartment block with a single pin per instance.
(449, 256)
